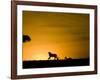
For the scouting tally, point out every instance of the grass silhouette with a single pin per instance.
(55, 63)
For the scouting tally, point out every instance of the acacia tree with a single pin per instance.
(26, 38)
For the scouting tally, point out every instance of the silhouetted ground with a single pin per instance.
(55, 63)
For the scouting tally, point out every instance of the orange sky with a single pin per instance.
(66, 34)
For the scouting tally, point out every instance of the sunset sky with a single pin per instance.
(66, 34)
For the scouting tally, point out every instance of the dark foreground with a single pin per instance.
(55, 63)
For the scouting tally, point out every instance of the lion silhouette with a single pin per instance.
(52, 55)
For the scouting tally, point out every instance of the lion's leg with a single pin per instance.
(49, 57)
(55, 58)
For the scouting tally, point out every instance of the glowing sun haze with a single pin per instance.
(66, 34)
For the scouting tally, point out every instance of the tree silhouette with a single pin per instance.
(26, 38)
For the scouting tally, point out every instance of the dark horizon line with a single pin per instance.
(58, 60)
